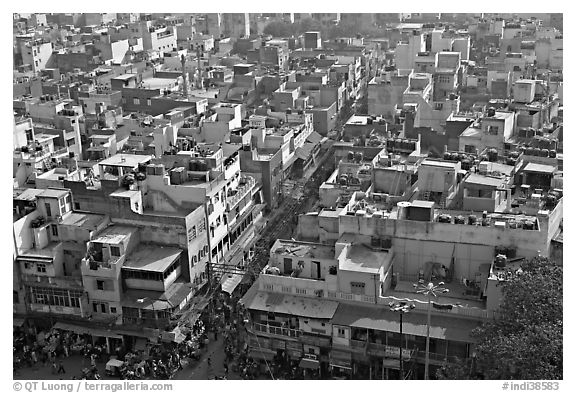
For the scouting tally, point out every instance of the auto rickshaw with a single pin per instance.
(113, 367)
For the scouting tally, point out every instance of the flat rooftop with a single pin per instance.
(443, 164)
(303, 249)
(83, 220)
(157, 83)
(152, 258)
(125, 76)
(361, 258)
(115, 234)
(126, 160)
(482, 180)
(30, 194)
(539, 168)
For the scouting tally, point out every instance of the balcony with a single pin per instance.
(277, 331)
(245, 186)
(359, 344)
(60, 282)
(97, 267)
(376, 349)
(315, 339)
(438, 358)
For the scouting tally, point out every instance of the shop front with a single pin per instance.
(340, 365)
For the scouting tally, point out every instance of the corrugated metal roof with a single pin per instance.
(293, 305)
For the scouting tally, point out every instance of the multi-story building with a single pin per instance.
(330, 295)
(36, 53)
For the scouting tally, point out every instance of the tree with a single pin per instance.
(525, 341)
(278, 29)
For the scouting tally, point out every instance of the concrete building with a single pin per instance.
(491, 131)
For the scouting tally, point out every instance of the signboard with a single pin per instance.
(394, 352)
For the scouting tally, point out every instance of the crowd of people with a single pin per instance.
(223, 319)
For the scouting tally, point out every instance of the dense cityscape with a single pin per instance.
(287, 196)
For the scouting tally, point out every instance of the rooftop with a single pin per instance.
(382, 319)
(496, 182)
(292, 305)
(31, 194)
(83, 220)
(444, 164)
(152, 258)
(361, 258)
(539, 168)
(303, 249)
(115, 234)
(126, 160)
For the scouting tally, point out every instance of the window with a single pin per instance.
(470, 149)
(136, 101)
(148, 102)
(115, 251)
(112, 310)
(192, 233)
(54, 230)
(27, 265)
(493, 130)
(201, 226)
(103, 307)
(48, 209)
(438, 106)
(100, 285)
(341, 332)
(77, 205)
(41, 268)
(357, 288)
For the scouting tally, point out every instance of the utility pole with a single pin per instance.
(429, 290)
(401, 308)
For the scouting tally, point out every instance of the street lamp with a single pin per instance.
(429, 290)
(401, 308)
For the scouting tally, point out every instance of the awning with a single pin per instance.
(17, 322)
(86, 330)
(381, 319)
(391, 363)
(309, 363)
(292, 305)
(263, 354)
(140, 344)
(231, 282)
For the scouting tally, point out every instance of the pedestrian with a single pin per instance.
(93, 360)
(61, 368)
(225, 368)
(54, 367)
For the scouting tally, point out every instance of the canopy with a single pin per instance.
(86, 330)
(310, 363)
(17, 322)
(114, 363)
(231, 282)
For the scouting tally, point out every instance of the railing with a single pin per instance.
(391, 351)
(438, 357)
(280, 331)
(242, 190)
(358, 344)
(315, 339)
